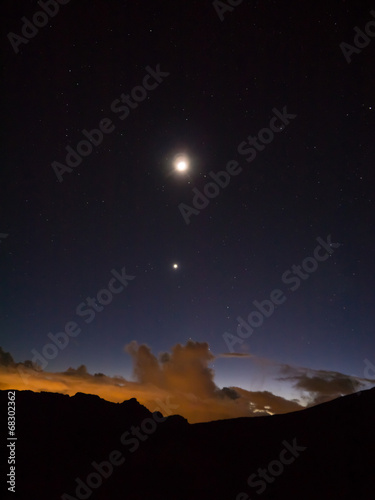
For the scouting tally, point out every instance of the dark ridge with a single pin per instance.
(61, 437)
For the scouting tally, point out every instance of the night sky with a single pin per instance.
(217, 78)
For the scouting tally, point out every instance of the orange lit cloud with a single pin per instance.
(179, 382)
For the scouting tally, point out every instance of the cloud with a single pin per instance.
(80, 371)
(235, 355)
(146, 367)
(185, 369)
(322, 385)
(229, 392)
(267, 402)
(184, 378)
(6, 358)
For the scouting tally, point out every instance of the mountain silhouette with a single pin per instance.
(84, 447)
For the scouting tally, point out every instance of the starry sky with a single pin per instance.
(271, 93)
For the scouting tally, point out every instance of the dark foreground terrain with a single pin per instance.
(84, 447)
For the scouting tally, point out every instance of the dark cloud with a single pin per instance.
(228, 392)
(6, 358)
(322, 385)
(81, 371)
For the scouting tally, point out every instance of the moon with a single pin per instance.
(175, 266)
(181, 163)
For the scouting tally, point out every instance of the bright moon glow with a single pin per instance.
(181, 163)
(175, 266)
(181, 166)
